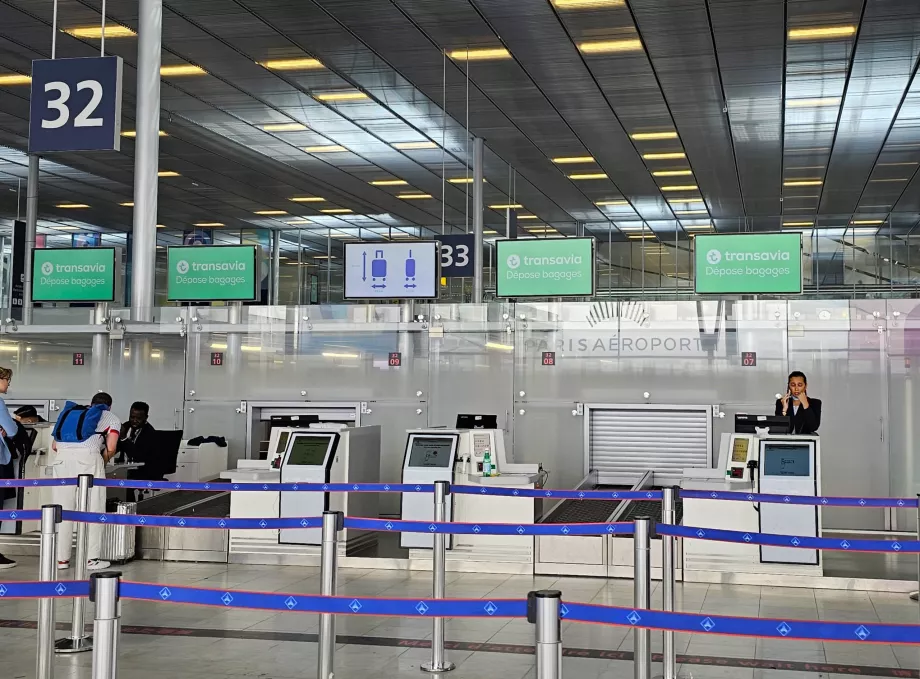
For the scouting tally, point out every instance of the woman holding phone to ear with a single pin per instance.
(803, 412)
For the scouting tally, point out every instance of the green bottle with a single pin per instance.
(487, 464)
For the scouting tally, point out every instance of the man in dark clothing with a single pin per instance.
(136, 439)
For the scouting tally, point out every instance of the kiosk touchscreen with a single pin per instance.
(307, 458)
(429, 457)
(787, 467)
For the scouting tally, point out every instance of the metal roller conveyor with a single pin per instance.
(179, 544)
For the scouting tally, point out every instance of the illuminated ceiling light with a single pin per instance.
(14, 79)
(672, 173)
(610, 46)
(506, 206)
(95, 32)
(181, 69)
(129, 204)
(564, 160)
(168, 173)
(337, 211)
(161, 226)
(68, 228)
(479, 54)
(284, 127)
(651, 136)
(803, 182)
(810, 103)
(389, 182)
(414, 145)
(675, 155)
(414, 196)
(545, 229)
(489, 232)
(681, 187)
(587, 4)
(339, 354)
(269, 213)
(295, 64)
(527, 217)
(307, 199)
(696, 227)
(691, 212)
(798, 223)
(820, 33)
(642, 236)
(341, 96)
(498, 345)
(462, 180)
(208, 224)
(895, 164)
(293, 222)
(602, 203)
(71, 206)
(904, 179)
(867, 221)
(324, 257)
(588, 175)
(328, 148)
(133, 133)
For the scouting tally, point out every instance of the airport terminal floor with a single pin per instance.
(190, 642)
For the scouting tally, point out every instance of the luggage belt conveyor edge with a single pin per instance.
(179, 544)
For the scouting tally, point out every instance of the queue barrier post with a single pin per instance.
(44, 664)
(333, 522)
(668, 569)
(916, 595)
(105, 592)
(439, 662)
(79, 641)
(642, 661)
(543, 609)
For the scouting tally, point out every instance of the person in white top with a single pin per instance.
(87, 457)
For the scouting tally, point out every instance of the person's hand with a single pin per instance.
(17, 418)
(803, 400)
(785, 401)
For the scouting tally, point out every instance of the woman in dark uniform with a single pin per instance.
(804, 412)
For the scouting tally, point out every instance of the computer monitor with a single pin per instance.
(432, 451)
(477, 421)
(774, 424)
(309, 450)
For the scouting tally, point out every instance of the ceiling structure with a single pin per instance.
(669, 117)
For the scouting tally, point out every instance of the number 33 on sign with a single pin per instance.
(76, 105)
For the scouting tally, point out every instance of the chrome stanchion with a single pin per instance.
(104, 591)
(642, 662)
(439, 662)
(51, 517)
(333, 522)
(543, 612)
(668, 567)
(916, 595)
(79, 641)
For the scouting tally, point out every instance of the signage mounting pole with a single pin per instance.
(477, 220)
(31, 228)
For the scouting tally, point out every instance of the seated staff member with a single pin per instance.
(136, 439)
(804, 412)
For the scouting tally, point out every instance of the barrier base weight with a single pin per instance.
(431, 668)
(68, 645)
(915, 595)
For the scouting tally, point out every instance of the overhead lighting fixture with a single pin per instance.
(798, 223)
(14, 79)
(803, 182)
(269, 213)
(294, 64)
(588, 175)
(895, 164)
(547, 229)
(506, 206)
(691, 212)
(500, 346)
(168, 173)
(329, 148)
(610, 46)
(341, 96)
(339, 354)
(672, 173)
(587, 4)
(133, 133)
(414, 196)
(284, 127)
(71, 206)
(568, 160)
(389, 182)
(479, 54)
(707, 225)
(414, 145)
(462, 180)
(675, 155)
(812, 103)
(161, 226)
(603, 203)
(293, 222)
(866, 222)
(652, 136)
(208, 224)
(821, 33)
(527, 217)
(129, 204)
(337, 211)
(680, 187)
(95, 32)
(68, 228)
(181, 69)
(903, 179)
(324, 257)
(307, 199)
(641, 236)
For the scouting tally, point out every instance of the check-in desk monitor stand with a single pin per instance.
(307, 459)
(788, 466)
(429, 457)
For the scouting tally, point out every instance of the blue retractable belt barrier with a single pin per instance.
(192, 521)
(21, 515)
(304, 603)
(43, 590)
(489, 528)
(32, 483)
(799, 500)
(798, 541)
(701, 623)
(218, 486)
(559, 494)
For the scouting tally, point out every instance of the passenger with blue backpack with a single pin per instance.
(85, 438)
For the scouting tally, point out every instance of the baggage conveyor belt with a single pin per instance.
(186, 503)
(601, 511)
(180, 544)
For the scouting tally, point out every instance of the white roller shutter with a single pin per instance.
(624, 443)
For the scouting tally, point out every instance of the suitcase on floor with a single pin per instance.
(118, 541)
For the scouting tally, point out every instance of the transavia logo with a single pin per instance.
(182, 266)
(47, 268)
(513, 261)
(713, 256)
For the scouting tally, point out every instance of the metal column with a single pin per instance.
(146, 158)
(276, 267)
(668, 567)
(78, 641)
(439, 662)
(333, 522)
(104, 592)
(31, 229)
(543, 612)
(477, 220)
(44, 664)
(642, 662)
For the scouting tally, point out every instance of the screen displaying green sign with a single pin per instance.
(210, 273)
(545, 267)
(748, 263)
(73, 275)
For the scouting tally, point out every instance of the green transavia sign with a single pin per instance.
(545, 267)
(748, 263)
(73, 275)
(202, 273)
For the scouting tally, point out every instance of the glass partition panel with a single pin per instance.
(394, 420)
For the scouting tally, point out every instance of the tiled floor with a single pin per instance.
(269, 647)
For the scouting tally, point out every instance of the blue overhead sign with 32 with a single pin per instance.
(76, 105)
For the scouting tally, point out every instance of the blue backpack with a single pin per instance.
(77, 423)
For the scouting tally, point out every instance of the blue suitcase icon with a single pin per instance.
(410, 267)
(378, 265)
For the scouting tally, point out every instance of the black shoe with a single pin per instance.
(6, 563)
